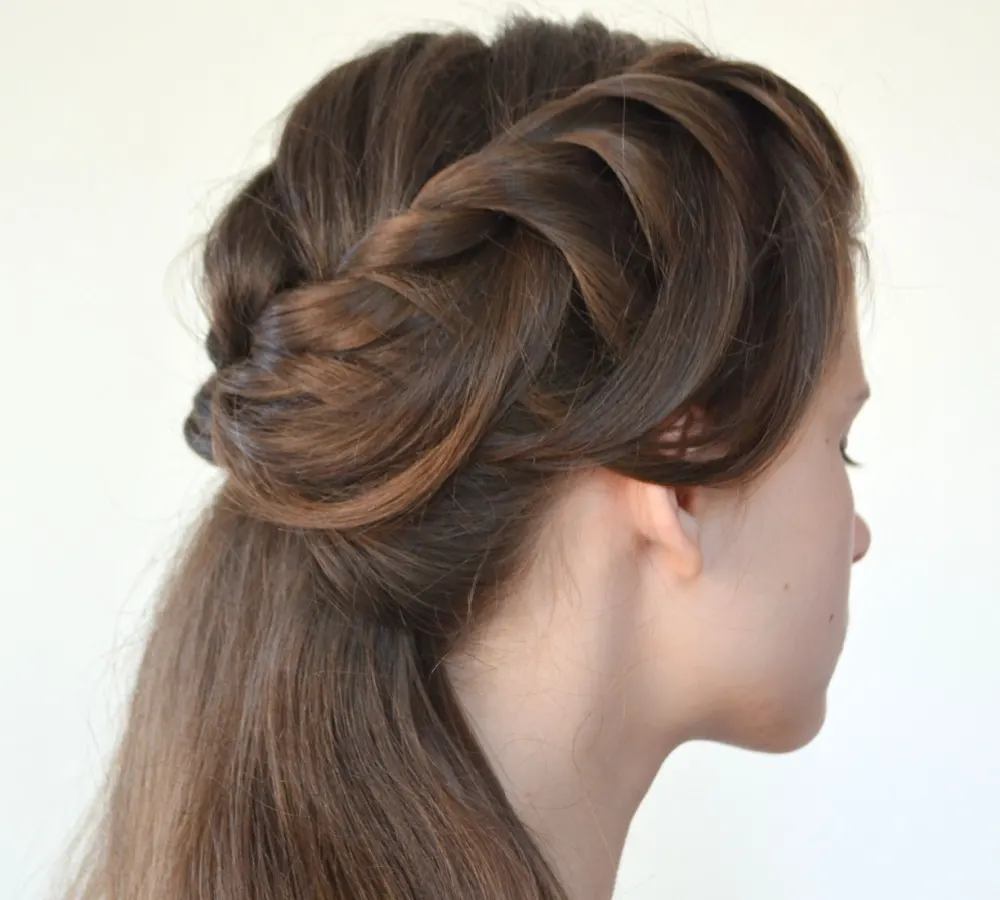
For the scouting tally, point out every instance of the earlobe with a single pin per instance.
(669, 524)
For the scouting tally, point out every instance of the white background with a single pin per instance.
(125, 125)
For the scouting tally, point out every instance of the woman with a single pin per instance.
(535, 362)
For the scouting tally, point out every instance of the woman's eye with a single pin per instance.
(843, 453)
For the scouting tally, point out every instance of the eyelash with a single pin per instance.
(847, 459)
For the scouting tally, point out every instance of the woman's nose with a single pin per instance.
(862, 538)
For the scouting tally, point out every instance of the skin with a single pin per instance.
(661, 616)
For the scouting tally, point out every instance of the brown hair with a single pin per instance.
(471, 270)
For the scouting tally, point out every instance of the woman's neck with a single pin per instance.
(548, 693)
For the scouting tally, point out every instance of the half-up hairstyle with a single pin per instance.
(470, 270)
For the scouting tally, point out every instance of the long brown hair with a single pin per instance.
(470, 270)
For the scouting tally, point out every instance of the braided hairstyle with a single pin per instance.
(471, 270)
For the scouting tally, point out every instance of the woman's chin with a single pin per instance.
(785, 728)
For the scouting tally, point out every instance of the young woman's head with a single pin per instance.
(535, 361)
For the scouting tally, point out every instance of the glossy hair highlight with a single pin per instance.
(472, 269)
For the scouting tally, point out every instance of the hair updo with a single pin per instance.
(431, 282)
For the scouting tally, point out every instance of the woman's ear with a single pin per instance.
(668, 514)
(667, 524)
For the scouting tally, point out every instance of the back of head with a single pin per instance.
(471, 270)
